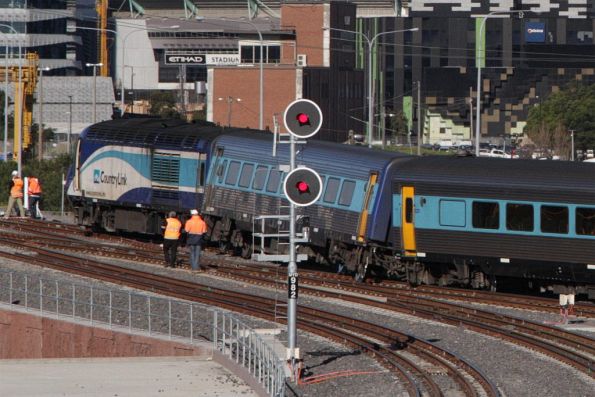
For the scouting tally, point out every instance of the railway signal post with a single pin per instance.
(302, 187)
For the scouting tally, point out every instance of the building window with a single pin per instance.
(585, 221)
(250, 53)
(554, 219)
(486, 215)
(519, 217)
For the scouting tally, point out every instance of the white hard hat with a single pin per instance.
(15, 173)
(193, 212)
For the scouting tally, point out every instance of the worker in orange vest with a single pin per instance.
(196, 228)
(34, 197)
(16, 194)
(171, 237)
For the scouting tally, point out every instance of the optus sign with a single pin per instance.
(535, 32)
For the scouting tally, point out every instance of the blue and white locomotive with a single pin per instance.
(447, 220)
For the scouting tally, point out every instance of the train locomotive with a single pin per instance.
(434, 219)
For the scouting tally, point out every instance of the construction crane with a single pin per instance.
(101, 8)
(23, 94)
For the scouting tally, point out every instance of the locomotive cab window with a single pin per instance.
(260, 177)
(233, 173)
(519, 217)
(554, 219)
(585, 221)
(486, 215)
(246, 175)
(346, 193)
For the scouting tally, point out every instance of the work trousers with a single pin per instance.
(33, 203)
(170, 250)
(11, 202)
(195, 256)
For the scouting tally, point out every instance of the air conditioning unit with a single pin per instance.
(302, 60)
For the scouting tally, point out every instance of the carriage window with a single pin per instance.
(346, 193)
(332, 188)
(519, 217)
(585, 221)
(221, 171)
(246, 175)
(486, 215)
(554, 219)
(233, 173)
(408, 210)
(274, 180)
(260, 177)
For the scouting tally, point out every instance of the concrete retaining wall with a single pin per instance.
(24, 335)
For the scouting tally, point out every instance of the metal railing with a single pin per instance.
(129, 311)
(242, 344)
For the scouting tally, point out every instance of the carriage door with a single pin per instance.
(408, 220)
(363, 218)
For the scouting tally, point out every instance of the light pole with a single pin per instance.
(40, 129)
(69, 124)
(131, 86)
(479, 59)
(260, 67)
(5, 98)
(123, 43)
(370, 86)
(229, 100)
(94, 66)
(20, 122)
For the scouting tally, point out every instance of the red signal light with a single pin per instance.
(303, 119)
(302, 187)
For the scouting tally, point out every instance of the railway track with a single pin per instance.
(385, 345)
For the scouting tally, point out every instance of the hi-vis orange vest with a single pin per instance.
(34, 186)
(17, 188)
(195, 225)
(172, 230)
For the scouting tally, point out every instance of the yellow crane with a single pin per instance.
(23, 94)
(101, 9)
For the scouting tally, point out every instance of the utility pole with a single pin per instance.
(470, 112)
(418, 118)
(69, 123)
(572, 145)
(383, 124)
(40, 128)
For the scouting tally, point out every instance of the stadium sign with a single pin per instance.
(202, 59)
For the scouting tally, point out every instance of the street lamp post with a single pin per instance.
(572, 145)
(229, 100)
(94, 66)
(370, 86)
(479, 57)
(123, 43)
(20, 122)
(5, 98)
(40, 128)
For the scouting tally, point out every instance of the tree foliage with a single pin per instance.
(549, 123)
(163, 104)
(49, 173)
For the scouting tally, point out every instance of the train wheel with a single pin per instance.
(360, 273)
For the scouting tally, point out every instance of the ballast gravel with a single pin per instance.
(515, 371)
